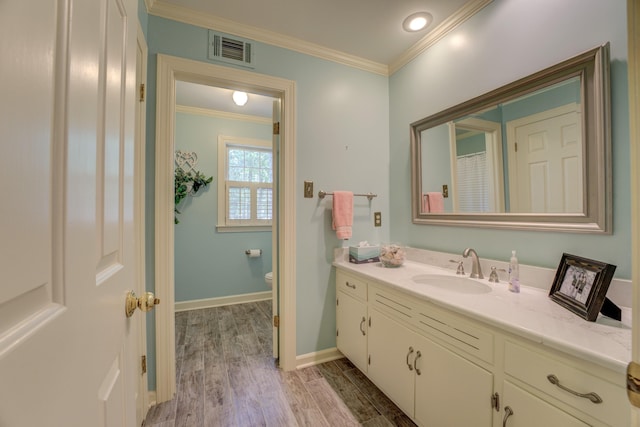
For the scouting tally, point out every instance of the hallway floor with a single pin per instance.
(226, 376)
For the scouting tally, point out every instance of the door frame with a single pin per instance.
(633, 30)
(170, 69)
(139, 217)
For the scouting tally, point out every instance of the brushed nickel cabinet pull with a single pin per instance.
(415, 362)
(362, 324)
(593, 397)
(349, 285)
(507, 413)
(409, 354)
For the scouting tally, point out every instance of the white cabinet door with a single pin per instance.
(66, 235)
(531, 411)
(392, 352)
(351, 325)
(450, 390)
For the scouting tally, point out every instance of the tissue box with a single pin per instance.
(364, 254)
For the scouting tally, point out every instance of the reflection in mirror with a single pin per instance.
(533, 154)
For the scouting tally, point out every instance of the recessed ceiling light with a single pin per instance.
(240, 98)
(417, 21)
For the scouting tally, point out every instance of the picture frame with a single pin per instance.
(581, 285)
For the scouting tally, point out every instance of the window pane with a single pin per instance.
(239, 203)
(249, 164)
(264, 203)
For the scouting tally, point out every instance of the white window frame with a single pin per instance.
(225, 225)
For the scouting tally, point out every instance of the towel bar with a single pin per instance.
(369, 196)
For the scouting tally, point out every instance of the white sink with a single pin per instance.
(462, 285)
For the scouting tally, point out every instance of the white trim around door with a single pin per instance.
(170, 69)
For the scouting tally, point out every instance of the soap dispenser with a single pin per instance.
(514, 273)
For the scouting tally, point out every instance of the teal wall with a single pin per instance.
(342, 132)
(210, 264)
(508, 40)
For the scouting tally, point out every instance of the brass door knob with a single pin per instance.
(144, 303)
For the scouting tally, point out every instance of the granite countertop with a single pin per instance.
(529, 314)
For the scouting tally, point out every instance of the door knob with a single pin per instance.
(144, 303)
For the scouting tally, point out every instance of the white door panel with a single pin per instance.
(66, 245)
(545, 167)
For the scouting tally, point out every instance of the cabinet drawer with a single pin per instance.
(455, 331)
(351, 285)
(533, 368)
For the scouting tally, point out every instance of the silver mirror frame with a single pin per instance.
(593, 69)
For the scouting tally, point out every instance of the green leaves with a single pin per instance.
(187, 183)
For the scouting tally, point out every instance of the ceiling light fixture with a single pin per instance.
(240, 98)
(417, 21)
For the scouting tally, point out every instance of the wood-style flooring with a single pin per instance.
(226, 376)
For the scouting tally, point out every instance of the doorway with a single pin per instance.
(171, 70)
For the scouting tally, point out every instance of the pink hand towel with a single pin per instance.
(436, 202)
(342, 213)
(425, 203)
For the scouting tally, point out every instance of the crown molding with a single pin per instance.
(449, 24)
(222, 114)
(188, 16)
(148, 4)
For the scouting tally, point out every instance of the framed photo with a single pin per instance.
(581, 285)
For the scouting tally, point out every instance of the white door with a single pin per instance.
(66, 216)
(545, 167)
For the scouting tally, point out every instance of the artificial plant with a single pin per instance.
(187, 183)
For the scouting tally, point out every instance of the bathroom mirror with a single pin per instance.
(534, 154)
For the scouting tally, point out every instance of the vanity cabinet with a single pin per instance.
(444, 368)
(351, 319)
(427, 381)
(431, 384)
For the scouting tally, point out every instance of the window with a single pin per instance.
(245, 183)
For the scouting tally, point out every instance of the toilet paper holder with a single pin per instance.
(253, 252)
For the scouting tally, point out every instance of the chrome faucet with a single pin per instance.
(476, 270)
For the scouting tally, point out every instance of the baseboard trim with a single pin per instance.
(317, 357)
(220, 301)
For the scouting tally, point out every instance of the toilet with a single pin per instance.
(268, 278)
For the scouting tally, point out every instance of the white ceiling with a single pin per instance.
(367, 29)
(370, 29)
(219, 99)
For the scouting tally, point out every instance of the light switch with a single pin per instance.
(308, 189)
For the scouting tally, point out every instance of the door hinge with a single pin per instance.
(143, 364)
(495, 401)
(516, 145)
(369, 360)
(141, 99)
(276, 128)
(369, 321)
(337, 332)
(276, 321)
(337, 301)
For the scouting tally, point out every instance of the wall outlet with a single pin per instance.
(377, 219)
(308, 189)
